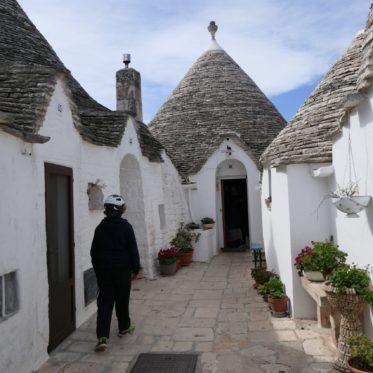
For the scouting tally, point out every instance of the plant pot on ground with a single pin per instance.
(361, 359)
(321, 257)
(348, 289)
(261, 276)
(277, 299)
(183, 241)
(167, 261)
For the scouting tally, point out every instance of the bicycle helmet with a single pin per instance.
(114, 201)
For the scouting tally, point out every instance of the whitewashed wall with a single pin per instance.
(22, 220)
(296, 218)
(22, 250)
(355, 236)
(206, 199)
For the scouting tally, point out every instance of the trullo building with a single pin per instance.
(325, 147)
(214, 127)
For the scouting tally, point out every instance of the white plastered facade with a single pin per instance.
(206, 197)
(301, 210)
(22, 222)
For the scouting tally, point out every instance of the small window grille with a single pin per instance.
(9, 302)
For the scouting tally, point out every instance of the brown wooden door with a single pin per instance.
(60, 252)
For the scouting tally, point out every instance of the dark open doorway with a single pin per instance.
(235, 214)
(60, 252)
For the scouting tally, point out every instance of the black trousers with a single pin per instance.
(114, 288)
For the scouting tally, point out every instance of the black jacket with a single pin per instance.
(114, 246)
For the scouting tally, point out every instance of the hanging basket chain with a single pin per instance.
(351, 187)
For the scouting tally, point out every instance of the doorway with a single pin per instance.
(60, 252)
(235, 214)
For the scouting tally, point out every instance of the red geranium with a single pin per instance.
(167, 256)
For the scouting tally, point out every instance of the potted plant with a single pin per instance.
(348, 200)
(277, 299)
(167, 261)
(207, 222)
(193, 225)
(183, 242)
(348, 289)
(361, 359)
(261, 276)
(318, 261)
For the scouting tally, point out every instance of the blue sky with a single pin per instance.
(285, 46)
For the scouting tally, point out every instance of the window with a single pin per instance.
(162, 216)
(9, 303)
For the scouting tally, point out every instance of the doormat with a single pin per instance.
(165, 363)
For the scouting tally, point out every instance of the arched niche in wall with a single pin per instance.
(232, 201)
(231, 168)
(132, 191)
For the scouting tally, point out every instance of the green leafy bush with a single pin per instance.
(361, 352)
(322, 256)
(351, 277)
(262, 275)
(274, 288)
(184, 238)
(207, 220)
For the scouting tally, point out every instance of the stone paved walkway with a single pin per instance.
(210, 309)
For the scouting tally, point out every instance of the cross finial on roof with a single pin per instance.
(212, 29)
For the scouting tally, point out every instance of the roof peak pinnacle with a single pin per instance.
(212, 29)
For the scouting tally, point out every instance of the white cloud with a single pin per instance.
(281, 44)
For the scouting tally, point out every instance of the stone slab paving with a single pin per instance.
(208, 308)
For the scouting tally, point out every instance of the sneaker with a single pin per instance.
(129, 330)
(101, 344)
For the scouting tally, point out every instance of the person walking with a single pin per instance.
(116, 261)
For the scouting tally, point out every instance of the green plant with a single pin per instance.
(323, 257)
(262, 275)
(274, 288)
(361, 352)
(351, 277)
(207, 220)
(192, 225)
(184, 238)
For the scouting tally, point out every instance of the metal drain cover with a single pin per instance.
(165, 363)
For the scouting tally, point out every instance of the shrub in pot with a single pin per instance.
(183, 241)
(261, 276)
(361, 359)
(321, 257)
(167, 261)
(207, 222)
(275, 289)
(347, 291)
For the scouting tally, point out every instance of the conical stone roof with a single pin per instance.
(29, 68)
(308, 137)
(214, 99)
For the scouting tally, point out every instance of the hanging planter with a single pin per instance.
(347, 198)
(351, 205)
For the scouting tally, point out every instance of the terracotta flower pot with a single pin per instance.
(278, 304)
(352, 369)
(178, 264)
(185, 257)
